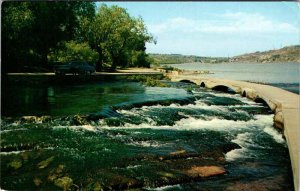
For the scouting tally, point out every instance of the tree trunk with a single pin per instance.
(114, 63)
(99, 64)
(99, 61)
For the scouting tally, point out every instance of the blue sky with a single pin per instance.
(217, 28)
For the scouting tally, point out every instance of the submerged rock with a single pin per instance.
(107, 112)
(179, 152)
(45, 163)
(97, 187)
(35, 119)
(16, 164)
(229, 147)
(55, 173)
(79, 120)
(28, 119)
(64, 182)
(273, 183)
(119, 182)
(205, 171)
(37, 181)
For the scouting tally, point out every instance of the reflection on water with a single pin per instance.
(77, 99)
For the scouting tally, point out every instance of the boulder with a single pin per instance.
(35, 119)
(205, 171)
(179, 152)
(28, 119)
(65, 183)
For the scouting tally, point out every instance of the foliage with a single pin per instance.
(152, 81)
(16, 23)
(34, 33)
(31, 29)
(140, 59)
(115, 35)
(69, 51)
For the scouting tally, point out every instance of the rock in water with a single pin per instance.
(64, 182)
(205, 171)
(45, 163)
(179, 152)
(15, 164)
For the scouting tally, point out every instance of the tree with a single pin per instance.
(70, 51)
(114, 33)
(95, 31)
(57, 21)
(17, 20)
(140, 59)
(31, 29)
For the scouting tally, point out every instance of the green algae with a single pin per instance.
(16, 164)
(65, 182)
(45, 163)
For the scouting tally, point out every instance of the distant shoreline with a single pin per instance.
(237, 63)
(284, 55)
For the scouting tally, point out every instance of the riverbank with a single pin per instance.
(128, 71)
(44, 79)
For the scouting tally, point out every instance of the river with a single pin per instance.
(282, 75)
(120, 135)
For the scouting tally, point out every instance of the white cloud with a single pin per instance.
(238, 22)
(174, 24)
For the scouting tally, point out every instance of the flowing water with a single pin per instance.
(282, 75)
(122, 135)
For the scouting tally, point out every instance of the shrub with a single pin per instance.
(69, 51)
(149, 80)
(140, 59)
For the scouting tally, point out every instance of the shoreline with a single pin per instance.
(51, 78)
(128, 71)
(248, 62)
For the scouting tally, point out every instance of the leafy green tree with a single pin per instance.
(140, 59)
(16, 23)
(31, 29)
(70, 51)
(57, 21)
(114, 33)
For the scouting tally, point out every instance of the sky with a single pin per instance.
(217, 28)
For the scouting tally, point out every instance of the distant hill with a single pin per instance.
(286, 54)
(161, 59)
